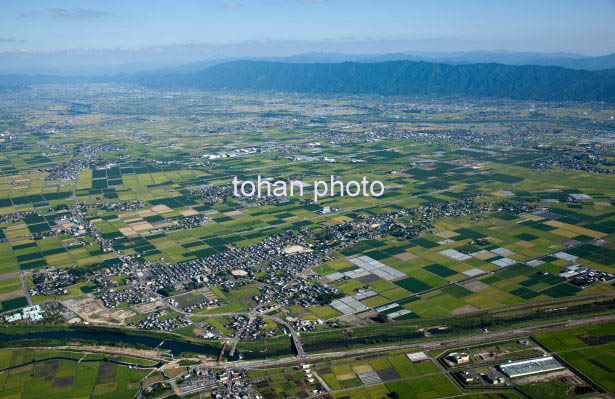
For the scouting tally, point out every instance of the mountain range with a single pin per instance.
(193, 58)
(375, 75)
(528, 82)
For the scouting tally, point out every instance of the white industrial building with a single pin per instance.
(532, 366)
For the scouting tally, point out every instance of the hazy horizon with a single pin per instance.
(64, 36)
(113, 61)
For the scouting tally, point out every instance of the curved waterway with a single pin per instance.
(172, 346)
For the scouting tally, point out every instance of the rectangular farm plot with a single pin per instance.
(435, 386)
(413, 285)
(473, 272)
(483, 254)
(440, 270)
(370, 378)
(503, 262)
(372, 266)
(348, 305)
(454, 254)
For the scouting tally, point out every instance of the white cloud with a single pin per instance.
(231, 4)
(66, 13)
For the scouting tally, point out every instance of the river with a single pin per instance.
(173, 346)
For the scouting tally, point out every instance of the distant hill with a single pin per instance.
(530, 82)
(589, 63)
(564, 60)
(193, 58)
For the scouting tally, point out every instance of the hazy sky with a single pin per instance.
(583, 26)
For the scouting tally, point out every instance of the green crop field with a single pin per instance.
(118, 211)
(588, 349)
(58, 378)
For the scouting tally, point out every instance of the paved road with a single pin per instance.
(442, 344)
(25, 288)
(238, 333)
(295, 336)
(438, 344)
(470, 278)
(373, 205)
(251, 315)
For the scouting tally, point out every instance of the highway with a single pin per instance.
(435, 344)
(295, 336)
(417, 346)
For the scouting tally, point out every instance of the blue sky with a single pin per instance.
(444, 25)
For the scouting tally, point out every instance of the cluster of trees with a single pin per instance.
(328, 297)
